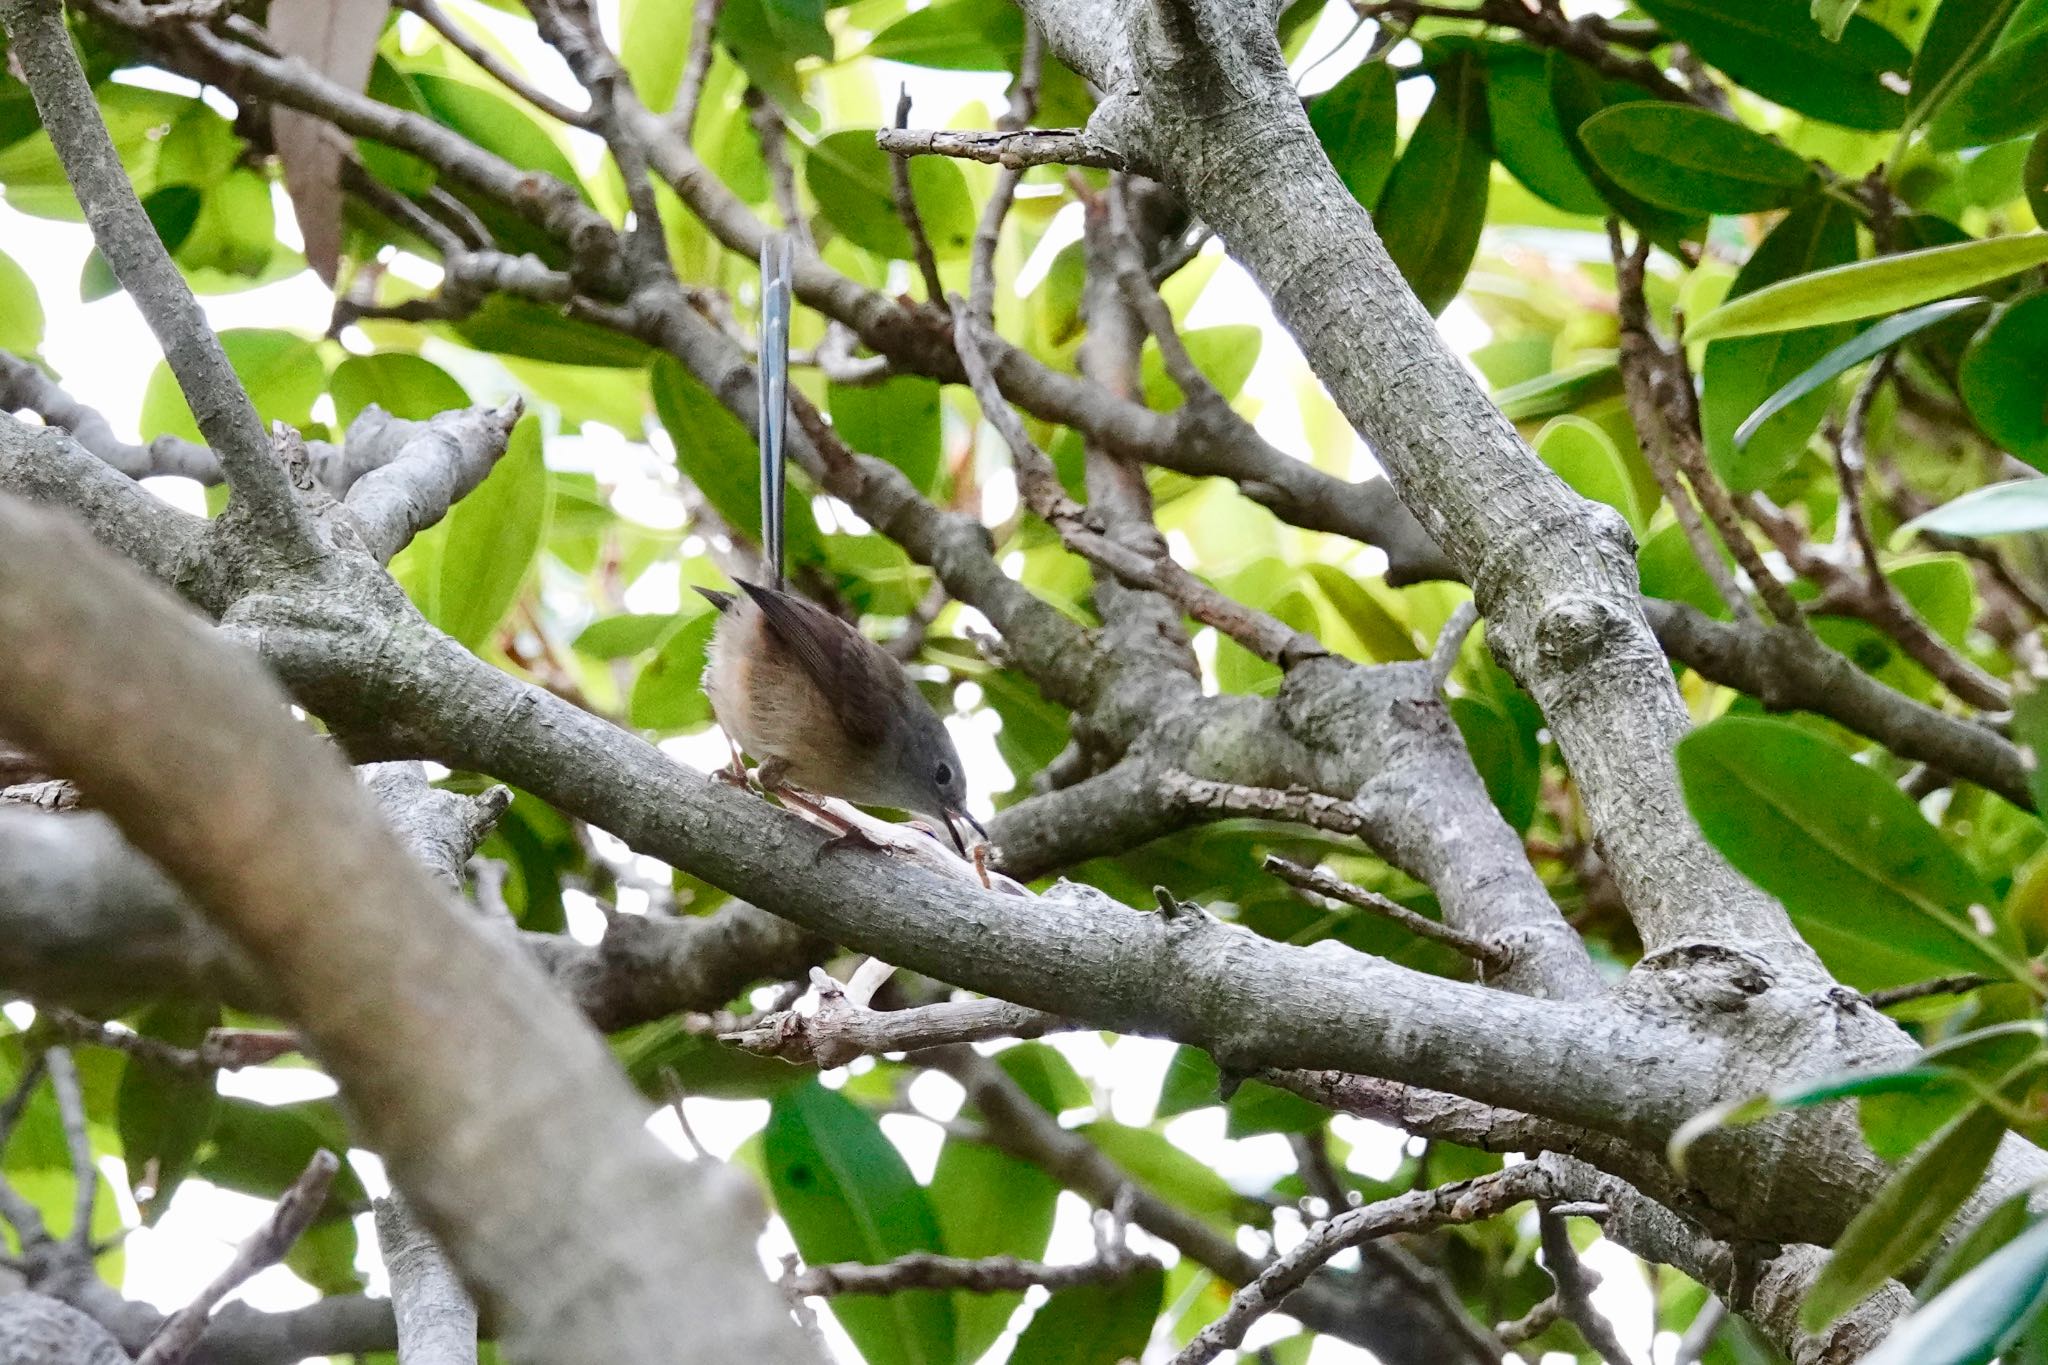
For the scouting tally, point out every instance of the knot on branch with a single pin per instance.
(1577, 628)
(1708, 976)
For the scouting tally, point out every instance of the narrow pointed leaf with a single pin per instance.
(2002, 97)
(2000, 379)
(1692, 161)
(1906, 1216)
(1864, 346)
(1434, 203)
(1356, 121)
(1971, 1319)
(1776, 49)
(2000, 510)
(1868, 289)
(1958, 37)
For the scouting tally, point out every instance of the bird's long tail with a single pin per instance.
(774, 372)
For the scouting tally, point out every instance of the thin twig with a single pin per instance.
(1325, 883)
(992, 1275)
(1575, 1286)
(1699, 1335)
(78, 1142)
(682, 116)
(906, 210)
(1467, 1201)
(222, 1049)
(295, 1211)
(495, 66)
(1014, 151)
(1921, 990)
(436, 1319)
(1450, 641)
(773, 138)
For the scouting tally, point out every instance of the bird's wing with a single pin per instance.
(853, 673)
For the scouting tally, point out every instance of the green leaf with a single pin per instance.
(1577, 93)
(669, 693)
(1692, 161)
(1434, 204)
(1739, 374)
(847, 1195)
(2007, 1219)
(1959, 36)
(1567, 390)
(403, 385)
(1975, 1317)
(495, 124)
(1906, 1216)
(1585, 457)
(2030, 729)
(1192, 1081)
(535, 331)
(1506, 759)
(768, 37)
(1870, 883)
(989, 1203)
(621, 637)
(162, 1114)
(718, 454)
(849, 176)
(1872, 288)
(1833, 16)
(1355, 120)
(1998, 510)
(235, 234)
(654, 40)
(1094, 1324)
(281, 371)
(1046, 1076)
(1849, 354)
(955, 35)
(1775, 48)
(2001, 97)
(491, 540)
(260, 1149)
(1167, 1171)
(1528, 137)
(897, 419)
(2000, 380)
(1225, 354)
(21, 309)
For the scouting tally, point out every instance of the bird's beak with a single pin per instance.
(953, 819)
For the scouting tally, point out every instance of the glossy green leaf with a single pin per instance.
(669, 693)
(1775, 48)
(495, 124)
(2030, 731)
(1997, 510)
(1527, 136)
(621, 637)
(954, 35)
(2007, 1219)
(989, 1203)
(849, 175)
(2001, 377)
(281, 371)
(234, 236)
(1960, 35)
(535, 331)
(1434, 204)
(403, 385)
(1741, 373)
(847, 1195)
(163, 1114)
(769, 37)
(1045, 1074)
(654, 40)
(1872, 288)
(1578, 93)
(1867, 344)
(1973, 1318)
(1833, 16)
(1585, 457)
(1567, 390)
(1870, 883)
(1906, 1216)
(2001, 97)
(1507, 762)
(21, 310)
(1355, 120)
(1692, 161)
(897, 419)
(1094, 1324)
(491, 540)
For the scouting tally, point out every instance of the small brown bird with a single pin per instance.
(820, 707)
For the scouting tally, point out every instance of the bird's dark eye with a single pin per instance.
(943, 774)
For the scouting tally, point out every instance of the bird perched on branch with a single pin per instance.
(823, 709)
